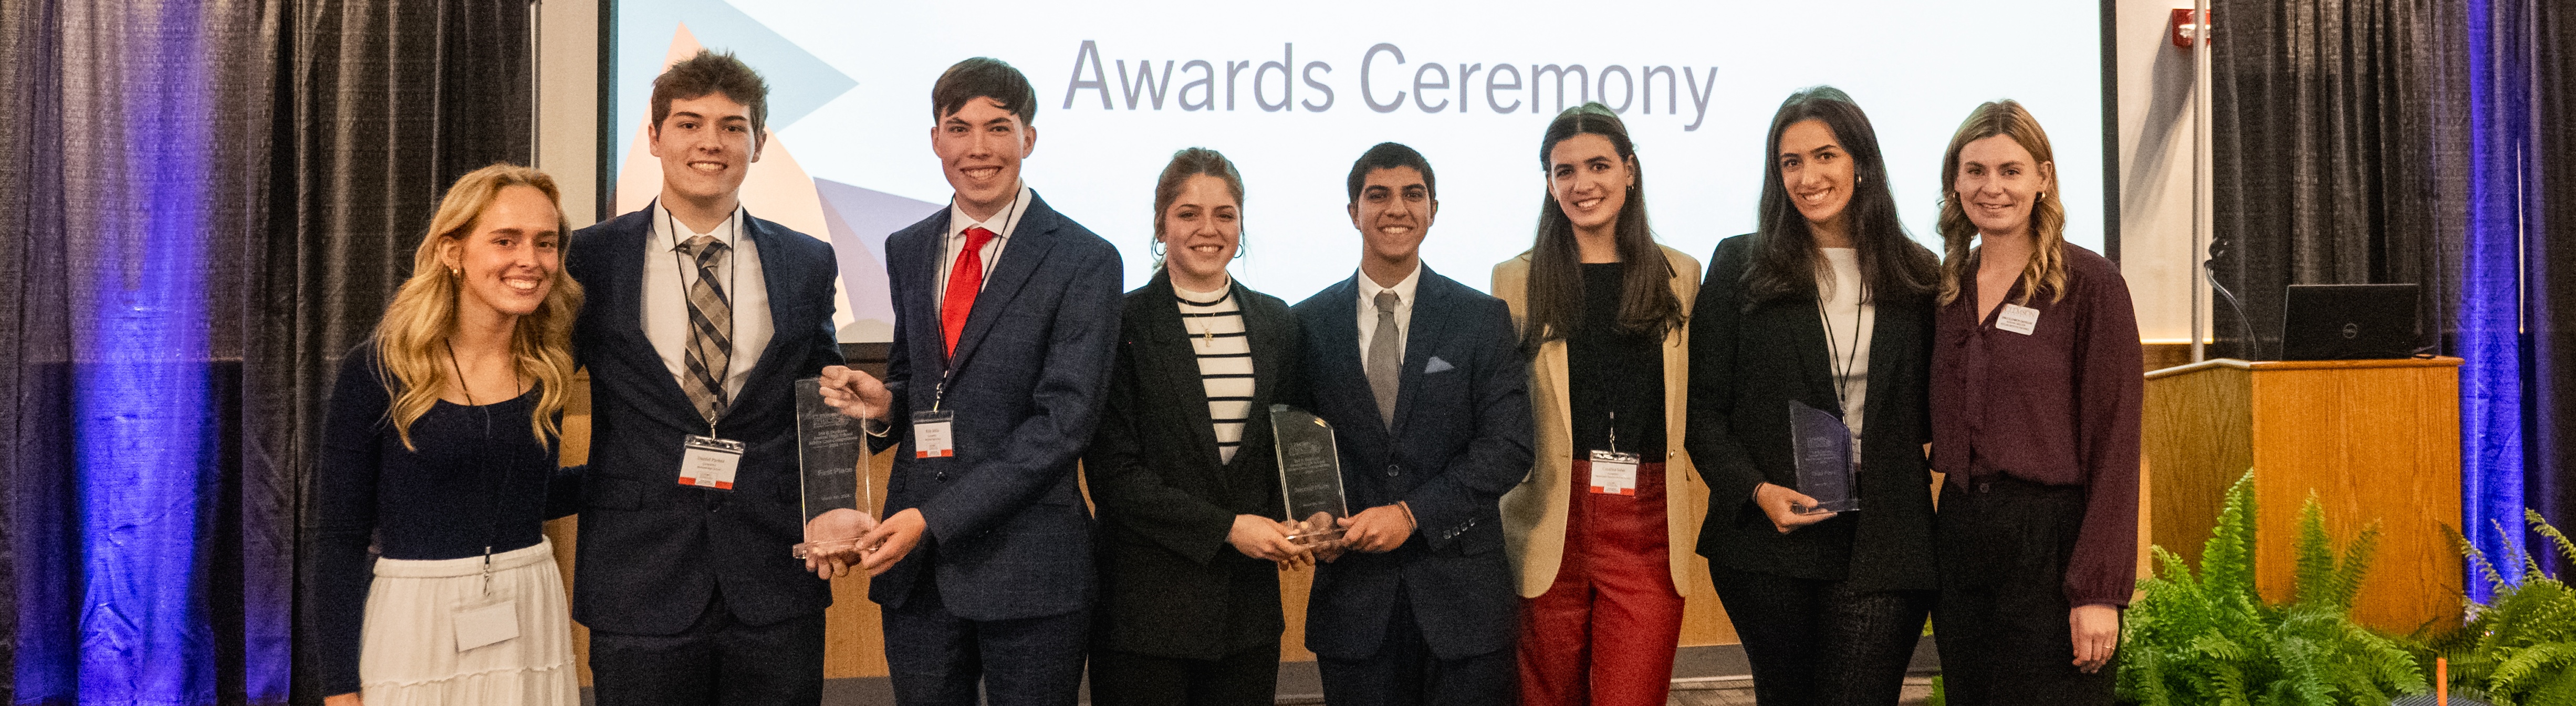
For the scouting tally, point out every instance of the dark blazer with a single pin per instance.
(1461, 439)
(652, 551)
(1009, 536)
(1170, 584)
(1746, 365)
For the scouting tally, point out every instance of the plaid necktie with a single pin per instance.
(710, 349)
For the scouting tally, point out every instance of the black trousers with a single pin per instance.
(939, 659)
(715, 661)
(1821, 642)
(1246, 678)
(1405, 672)
(2002, 621)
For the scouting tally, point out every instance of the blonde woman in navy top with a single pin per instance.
(439, 449)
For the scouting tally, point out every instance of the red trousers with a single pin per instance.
(1605, 632)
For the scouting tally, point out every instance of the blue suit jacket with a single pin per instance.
(1461, 438)
(652, 550)
(1009, 535)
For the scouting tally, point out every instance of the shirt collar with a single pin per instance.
(1403, 289)
(1003, 221)
(674, 232)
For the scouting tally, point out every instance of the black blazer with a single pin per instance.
(1170, 584)
(1461, 439)
(1746, 365)
(1008, 534)
(652, 551)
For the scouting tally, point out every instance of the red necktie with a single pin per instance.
(964, 281)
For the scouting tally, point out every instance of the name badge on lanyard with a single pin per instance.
(1614, 473)
(709, 462)
(930, 434)
(933, 431)
(485, 622)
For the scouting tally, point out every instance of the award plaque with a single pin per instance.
(832, 464)
(1823, 448)
(1310, 474)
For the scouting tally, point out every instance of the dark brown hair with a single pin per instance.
(713, 72)
(1389, 155)
(2047, 269)
(984, 77)
(1784, 261)
(1646, 301)
(1189, 163)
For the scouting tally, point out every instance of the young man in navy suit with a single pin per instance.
(700, 320)
(1428, 395)
(1006, 321)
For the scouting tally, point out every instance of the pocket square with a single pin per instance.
(1437, 366)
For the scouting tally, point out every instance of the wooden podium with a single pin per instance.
(2373, 439)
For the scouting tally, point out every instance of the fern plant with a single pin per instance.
(2520, 648)
(2210, 639)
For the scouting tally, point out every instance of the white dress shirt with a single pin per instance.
(1403, 309)
(1002, 223)
(668, 274)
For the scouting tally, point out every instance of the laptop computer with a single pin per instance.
(2348, 322)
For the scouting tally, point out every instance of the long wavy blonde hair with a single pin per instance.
(411, 340)
(2047, 268)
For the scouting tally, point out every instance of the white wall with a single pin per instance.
(2156, 130)
(568, 103)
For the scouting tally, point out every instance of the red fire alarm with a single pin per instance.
(2185, 26)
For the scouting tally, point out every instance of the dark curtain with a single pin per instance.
(2427, 142)
(2339, 136)
(388, 102)
(135, 154)
(2549, 228)
(207, 203)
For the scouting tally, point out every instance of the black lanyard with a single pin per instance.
(1842, 359)
(500, 490)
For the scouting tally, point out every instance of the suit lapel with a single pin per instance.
(1261, 327)
(1813, 360)
(1553, 373)
(1030, 240)
(1339, 368)
(1170, 357)
(1887, 338)
(1424, 335)
(778, 274)
(625, 321)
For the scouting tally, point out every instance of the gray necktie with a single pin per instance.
(1385, 366)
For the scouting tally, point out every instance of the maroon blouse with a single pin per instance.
(2057, 406)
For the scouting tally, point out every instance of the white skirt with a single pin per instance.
(408, 653)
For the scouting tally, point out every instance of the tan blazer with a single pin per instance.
(1534, 512)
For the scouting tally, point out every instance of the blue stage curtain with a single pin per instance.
(2517, 421)
(2493, 393)
(202, 205)
(136, 152)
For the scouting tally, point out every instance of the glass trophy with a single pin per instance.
(1823, 448)
(1310, 474)
(832, 473)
